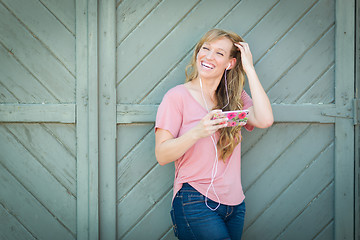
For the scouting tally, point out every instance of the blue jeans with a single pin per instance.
(192, 219)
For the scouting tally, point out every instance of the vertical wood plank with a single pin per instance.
(87, 120)
(107, 119)
(344, 128)
(357, 127)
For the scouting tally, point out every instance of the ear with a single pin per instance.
(231, 63)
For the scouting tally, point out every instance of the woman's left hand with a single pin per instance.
(246, 56)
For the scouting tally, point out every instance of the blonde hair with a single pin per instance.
(229, 137)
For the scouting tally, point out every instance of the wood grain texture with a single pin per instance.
(35, 57)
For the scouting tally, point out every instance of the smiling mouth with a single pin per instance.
(207, 65)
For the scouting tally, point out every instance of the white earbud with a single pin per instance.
(228, 66)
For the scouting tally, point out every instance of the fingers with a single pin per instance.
(242, 46)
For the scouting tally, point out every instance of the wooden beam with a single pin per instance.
(87, 119)
(344, 128)
(56, 113)
(311, 113)
(107, 119)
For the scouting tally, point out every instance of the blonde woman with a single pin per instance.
(208, 200)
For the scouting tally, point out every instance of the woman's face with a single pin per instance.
(214, 57)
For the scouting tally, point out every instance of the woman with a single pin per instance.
(208, 200)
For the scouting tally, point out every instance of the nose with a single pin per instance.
(209, 55)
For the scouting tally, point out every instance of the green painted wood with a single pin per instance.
(304, 73)
(62, 113)
(134, 132)
(129, 15)
(87, 120)
(64, 12)
(151, 188)
(146, 229)
(288, 49)
(312, 219)
(174, 40)
(320, 113)
(135, 165)
(38, 141)
(294, 199)
(238, 13)
(276, 28)
(36, 57)
(64, 134)
(344, 128)
(42, 23)
(357, 127)
(327, 233)
(17, 230)
(280, 135)
(107, 119)
(285, 168)
(142, 40)
(29, 211)
(39, 178)
(323, 91)
(21, 83)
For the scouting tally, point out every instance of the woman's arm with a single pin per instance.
(169, 149)
(260, 114)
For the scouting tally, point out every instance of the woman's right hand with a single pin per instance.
(208, 125)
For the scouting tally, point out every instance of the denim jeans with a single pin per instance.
(192, 219)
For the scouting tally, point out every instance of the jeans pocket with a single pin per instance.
(173, 221)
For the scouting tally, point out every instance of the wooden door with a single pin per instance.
(80, 85)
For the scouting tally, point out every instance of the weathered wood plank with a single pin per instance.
(241, 19)
(130, 13)
(275, 24)
(134, 166)
(344, 128)
(290, 48)
(281, 137)
(305, 72)
(314, 218)
(285, 168)
(295, 198)
(139, 80)
(62, 113)
(38, 141)
(323, 91)
(107, 118)
(65, 135)
(6, 96)
(134, 133)
(159, 214)
(64, 11)
(239, 14)
(142, 40)
(36, 58)
(42, 25)
(38, 180)
(316, 113)
(22, 84)
(11, 228)
(38, 219)
(327, 233)
(143, 196)
(86, 119)
(129, 113)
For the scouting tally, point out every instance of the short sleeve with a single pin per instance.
(247, 103)
(170, 112)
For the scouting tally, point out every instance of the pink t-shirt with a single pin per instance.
(178, 113)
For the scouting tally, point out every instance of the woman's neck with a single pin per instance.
(209, 86)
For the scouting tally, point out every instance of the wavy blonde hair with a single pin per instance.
(229, 137)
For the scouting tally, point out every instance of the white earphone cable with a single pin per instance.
(215, 165)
